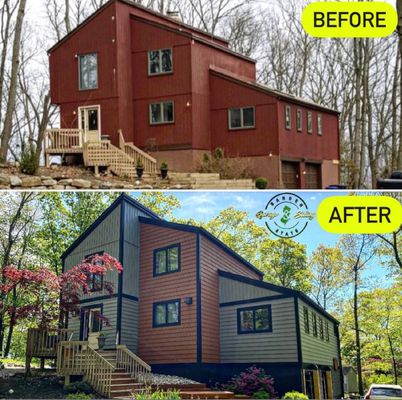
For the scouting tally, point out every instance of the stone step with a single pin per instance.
(206, 395)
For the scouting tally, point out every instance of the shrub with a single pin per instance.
(158, 395)
(79, 387)
(294, 395)
(261, 183)
(79, 396)
(29, 160)
(261, 394)
(251, 381)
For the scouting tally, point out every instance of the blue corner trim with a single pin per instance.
(178, 246)
(120, 200)
(270, 286)
(199, 300)
(165, 303)
(205, 233)
(121, 259)
(255, 300)
(298, 333)
(253, 309)
(107, 296)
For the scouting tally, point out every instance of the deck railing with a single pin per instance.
(72, 357)
(59, 140)
(137, 368)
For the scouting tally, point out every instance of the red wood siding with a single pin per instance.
(212, 259)
(176, 344)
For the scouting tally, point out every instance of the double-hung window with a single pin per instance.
(161, 113)
(160, 62)
(167, 260)
(166, 313)
(242, 118)
(254, 319)
(88, 71)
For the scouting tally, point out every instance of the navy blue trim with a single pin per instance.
(109, 296)
(165, 249)
(202, 231)
(165, 303)
(120, 200)
(254, 309)
(199, 300)
(255, 300)
(93, 276)
(339, 358)
(298, 333)
(82, 315)
(121, 259)
(129, 297)
(270, 286)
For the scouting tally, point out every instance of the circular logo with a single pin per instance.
(286, 215)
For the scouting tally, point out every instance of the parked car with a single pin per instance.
(384, 392)
(394, 181)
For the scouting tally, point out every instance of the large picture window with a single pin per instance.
(254, 319)
(242, 118)
(161, 113)
(88, 71)
(166, 313)
(167, 260)
(160, 62)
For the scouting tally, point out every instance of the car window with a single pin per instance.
(390, 392)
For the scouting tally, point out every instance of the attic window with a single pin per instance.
(160, 62)
(88, 71)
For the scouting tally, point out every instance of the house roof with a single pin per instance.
(281, 289)
(104, 215)
(265, 89)
(143, 8)
(206, 234)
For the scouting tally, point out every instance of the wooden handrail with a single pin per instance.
(137, 368)
(99, 372)
(63, 139)
(43, 342)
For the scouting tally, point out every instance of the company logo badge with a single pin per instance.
(286, 215)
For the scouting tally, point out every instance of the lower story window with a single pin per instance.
(254, 319)
(161, 113)
(166, 313)
(242, 118)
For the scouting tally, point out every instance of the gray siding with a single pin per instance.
(129, 324)
(280, 345)
(231, 290)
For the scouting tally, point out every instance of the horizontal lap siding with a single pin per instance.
(280, 345)
(212, 259)
(129, 324)
(176, 344)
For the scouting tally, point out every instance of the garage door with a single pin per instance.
(313, 176)
(290, 175)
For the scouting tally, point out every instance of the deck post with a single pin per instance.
(66, 381)
(47, 159)
(96, 171)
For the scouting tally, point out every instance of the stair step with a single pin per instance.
(115, 387)
(121, 381)
(207, 395)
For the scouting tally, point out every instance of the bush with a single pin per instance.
(29, 160)
(79, 387)
(294, 395)
(79, 396)
(158, 395)
(261, 183)
(251, 381)
(262, 394)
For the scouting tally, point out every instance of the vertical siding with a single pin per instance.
(212, 259)
(280, 345)
(129, 324)
(175, 344)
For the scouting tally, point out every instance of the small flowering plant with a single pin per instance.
(251, 381)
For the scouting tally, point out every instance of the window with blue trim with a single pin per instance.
(95, 281)
(254, 319)
(167, 260)
(166, 313)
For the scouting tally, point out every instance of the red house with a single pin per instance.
(178, 93)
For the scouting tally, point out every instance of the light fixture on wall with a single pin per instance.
(188, 104)
(188, 301)
(270, 154)
(74, 112)
(304, 172)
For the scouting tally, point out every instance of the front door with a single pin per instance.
(290, 175)
(91, 325)
(90, 123)
(313, 176)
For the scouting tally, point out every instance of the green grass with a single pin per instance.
(18, 362)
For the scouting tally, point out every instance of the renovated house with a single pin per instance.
(188, 305)
(151, 87)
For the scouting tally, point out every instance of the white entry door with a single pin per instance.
(89, 123)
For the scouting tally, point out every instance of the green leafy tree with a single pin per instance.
(160, 203)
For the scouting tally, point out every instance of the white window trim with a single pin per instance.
(162, 103)
(299, 112)
(288, 108)
(309, 118)
(319, 124)
(160, 62)
(79, 72)
(242, 127)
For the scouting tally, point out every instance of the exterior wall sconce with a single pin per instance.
(113, 17)
(304, 172)
(188, 301)
(188, 104)
(76, 56)
(270, 154)
(74, 112)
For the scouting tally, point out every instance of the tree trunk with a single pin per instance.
(357, 331)
(15, 62)
(399, 28)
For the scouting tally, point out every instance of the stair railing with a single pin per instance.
(132, 364)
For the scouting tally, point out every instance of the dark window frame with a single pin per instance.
(160, 62)
(80, 57)
(165, 303)
(314, 323)
(254, 308)
(162, 122)
(299, 120)
(242, 127)
(327, 331)
(166, 250)
(288, 113)
(306, 318)
(321, 328)
(319, 124)
(92, 279)
(310, 122)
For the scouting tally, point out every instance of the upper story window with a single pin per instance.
(242, 118)
(288, 117)
(321, 328)
(310, 122)
(167, 260)
(161, 113)
(326, 331)
(88, 69)
(299, 120)
(306, 320)
(254, 319)
(95, 281)
(319, 124)
(166, 313)
(314, 318)
(160, 62)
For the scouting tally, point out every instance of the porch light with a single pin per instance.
(188, 301)
(188, 104)
(304, 172)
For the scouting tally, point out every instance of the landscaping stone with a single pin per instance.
(106, 185)
(58, 187)
(65, 182)
(81, 184)
(31, 181)
(159, 379)
(49, 182)
(15, 180)
(4, 180)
